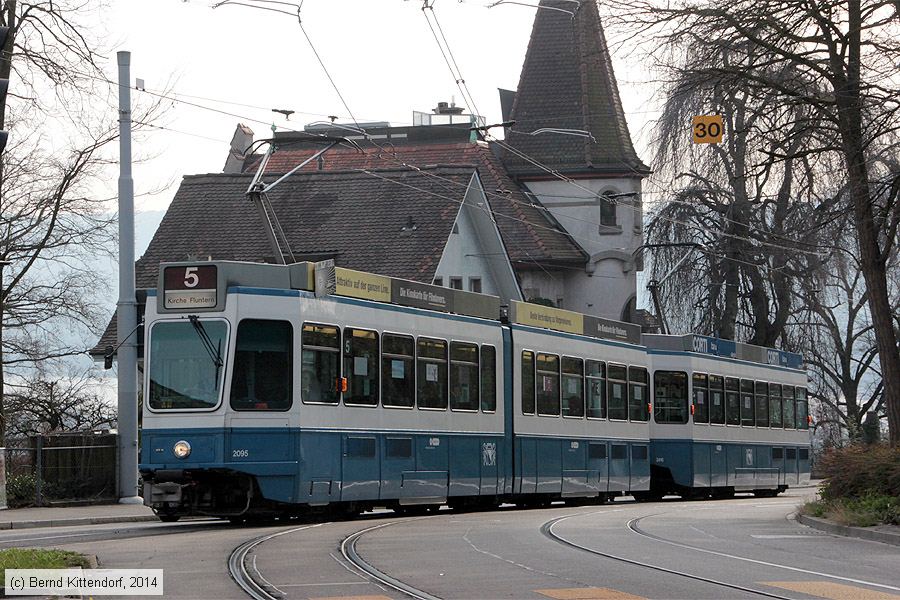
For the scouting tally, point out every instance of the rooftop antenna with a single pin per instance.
(284, 111)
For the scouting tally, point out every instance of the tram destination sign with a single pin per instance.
(191, 286)
(569, 321)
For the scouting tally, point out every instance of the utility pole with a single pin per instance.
(7, 35)
(126, 308)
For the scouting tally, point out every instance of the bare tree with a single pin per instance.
(54, 218)
(46, 404)
(844, 56)
(835, 331)
(741, 201)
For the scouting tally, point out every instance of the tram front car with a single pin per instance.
(198, 454)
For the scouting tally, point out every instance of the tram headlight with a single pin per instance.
(181, 449)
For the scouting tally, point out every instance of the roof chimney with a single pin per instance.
(444, 108)
(240, 142)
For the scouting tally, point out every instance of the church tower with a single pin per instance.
(567, 83)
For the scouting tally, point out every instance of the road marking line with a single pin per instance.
(833, 591)
(591, 593)
(788, 537)
(351, 598)
(630, 526)
(324, 584)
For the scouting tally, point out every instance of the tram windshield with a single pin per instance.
(185, 365)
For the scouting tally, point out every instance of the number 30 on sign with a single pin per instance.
(708, 129)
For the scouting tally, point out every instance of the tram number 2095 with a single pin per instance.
(240, 453)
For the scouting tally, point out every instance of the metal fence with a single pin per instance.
(70, 467)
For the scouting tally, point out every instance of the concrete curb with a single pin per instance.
(76, 522)
(863, 533)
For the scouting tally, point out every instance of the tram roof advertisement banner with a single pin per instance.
(367, 286)
(547, 317)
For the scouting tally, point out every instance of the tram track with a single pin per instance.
(634, 527)
(547, 530)
(246, 575)
(243, 576)
(40, 537)
(348, 550)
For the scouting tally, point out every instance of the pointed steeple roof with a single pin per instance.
(567, 82)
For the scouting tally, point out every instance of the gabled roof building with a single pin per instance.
(542, 215)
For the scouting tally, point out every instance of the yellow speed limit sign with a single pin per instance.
(708, 129)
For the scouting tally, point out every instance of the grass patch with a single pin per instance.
(34, 558)
(871, 509)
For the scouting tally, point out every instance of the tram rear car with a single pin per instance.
(724, 424)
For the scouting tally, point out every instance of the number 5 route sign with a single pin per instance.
(708, 129)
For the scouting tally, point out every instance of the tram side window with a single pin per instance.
(398, 378)
(637, 394)
(716, 399)
(361, 367)
(616, 395)
(320, 363)
(775, 405)
(464, 385)
(572, 387)
(548, 385)
(732, 401)
(596, 389)
(762, 404)
(670, 404)
(527, 382)
(488, 379)
(701, 398)
(262, 365)
(787, 397)
(748, 416)
(431, 373)
(802, 409)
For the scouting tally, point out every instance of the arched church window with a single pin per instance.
(608, 208)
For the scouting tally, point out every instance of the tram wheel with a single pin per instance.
(647, 496)
(411, 511)
(168, 518)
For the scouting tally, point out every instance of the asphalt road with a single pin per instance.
(742, 548)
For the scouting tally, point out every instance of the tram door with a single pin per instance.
(718, 469)
(360, 468)
(790, 467)
(618, 468)
(598, 465)
(527, 465)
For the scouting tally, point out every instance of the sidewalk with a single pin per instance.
(26, 518)
(886, 534)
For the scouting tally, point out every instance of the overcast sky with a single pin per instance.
(381, 54)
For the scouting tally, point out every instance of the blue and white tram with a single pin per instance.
(728, 418)
(265, 394)
(274, 399)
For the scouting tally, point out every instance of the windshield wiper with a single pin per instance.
(213, 351)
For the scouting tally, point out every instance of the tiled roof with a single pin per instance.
(356, 217)
(567, 82)
(353, 211)
(530, 235)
